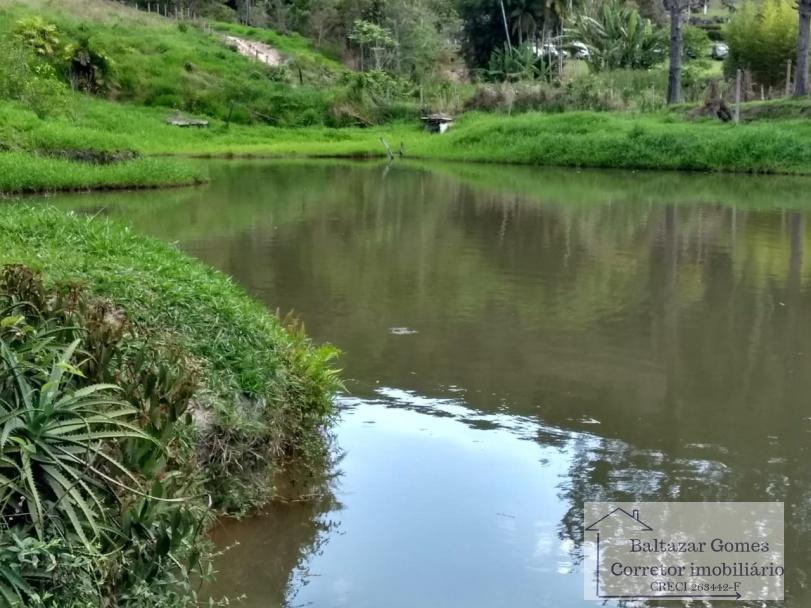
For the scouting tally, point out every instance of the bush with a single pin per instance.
(695, 43)
(515, 63)
(28, 78)
(619, 37)
(762, 41)
(616, 90)
(92, 502)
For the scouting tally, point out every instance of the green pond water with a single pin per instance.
(516, 341)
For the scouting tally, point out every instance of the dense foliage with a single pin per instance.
(762, 40)
(97, 494)
(617, 36)
(123, 421)
(516, 63)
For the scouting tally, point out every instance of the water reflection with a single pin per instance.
(518, 341)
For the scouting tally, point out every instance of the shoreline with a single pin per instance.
(659, 141)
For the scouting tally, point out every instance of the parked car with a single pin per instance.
(719, 51)
(579, 50)
(548, 50)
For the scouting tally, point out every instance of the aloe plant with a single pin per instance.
(56, 470)
(99, 494)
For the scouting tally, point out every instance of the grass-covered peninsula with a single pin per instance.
(141, 392)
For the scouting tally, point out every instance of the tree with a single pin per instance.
(483, 23)
(324, 20)
(368, 35)
(483, 28)
(424, 33)
(801, 79)
(524, 19)
(762, 40)
(676, 10)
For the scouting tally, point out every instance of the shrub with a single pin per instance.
(515, 63)
(695, 43)
(762, 41)
(26, 77)
(618, 37)
(94, 473)
(38, 35)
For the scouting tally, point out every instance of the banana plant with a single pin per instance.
(617, 36)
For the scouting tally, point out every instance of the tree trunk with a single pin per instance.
(801, 75)
(674, 71)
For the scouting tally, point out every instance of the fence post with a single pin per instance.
(788, 77)
(738, 96)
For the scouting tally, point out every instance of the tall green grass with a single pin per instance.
(23, 172)
(662, 140)
(159, 62)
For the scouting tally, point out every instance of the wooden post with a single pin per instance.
(388, 149)
(788, 77)
(738, 96)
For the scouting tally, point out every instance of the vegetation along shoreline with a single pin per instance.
(52, 134)
(144, 394)
(133, 425)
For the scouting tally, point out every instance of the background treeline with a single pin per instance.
(365, 62)
(435, 45)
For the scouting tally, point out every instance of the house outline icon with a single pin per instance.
(633, 516)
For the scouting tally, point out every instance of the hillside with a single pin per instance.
(154, 61)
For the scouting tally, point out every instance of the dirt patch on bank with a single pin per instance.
(258, 51)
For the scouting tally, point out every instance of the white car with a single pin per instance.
(720, 50)
(548, 50)
(579, 50)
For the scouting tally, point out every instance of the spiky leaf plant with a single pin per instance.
(56, 471)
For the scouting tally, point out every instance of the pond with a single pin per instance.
(515, 341)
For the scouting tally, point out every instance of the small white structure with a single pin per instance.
(437, 123)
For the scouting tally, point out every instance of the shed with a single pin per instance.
(437, 123)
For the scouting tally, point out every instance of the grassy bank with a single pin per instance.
(244, 354)
(22, 172)
(144, 68)
(165, 394)
(664, 140)
(149, 60)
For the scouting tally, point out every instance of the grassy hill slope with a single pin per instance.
(155, 61)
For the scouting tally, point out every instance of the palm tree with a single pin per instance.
(524, 19)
